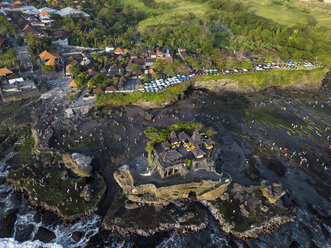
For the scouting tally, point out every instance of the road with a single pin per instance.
(24, 59)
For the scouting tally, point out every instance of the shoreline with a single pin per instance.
(166, 227)
(265, 228)
(233, 83)
(36, 204)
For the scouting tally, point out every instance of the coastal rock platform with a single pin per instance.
(182, 217)
(245, 212)
(205, 185)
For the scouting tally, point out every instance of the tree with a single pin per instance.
(159, 65)
(207, 47)
(194, 63)
(169, 70)
(76, 69)
(135, 67)
(5, 26)
(98, 80)
(247, 64)
(266, 35)
(81, 79)
(156, 76)
(115, 81)
(8, 59)
(230, 63)
(37, 45)
(47, 69)
(145, 78)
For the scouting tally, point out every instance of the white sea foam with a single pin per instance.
(88, 227)
(11, 243)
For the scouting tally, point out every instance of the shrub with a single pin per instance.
(47, 69)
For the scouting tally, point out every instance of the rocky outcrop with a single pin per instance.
(254, 82)
(165, 227)
(245, 212)
(327, 81)
(7, 224)
(145, 220)
(77, 236)
(222, 85)
(78, 163)
(273, 192)
(229, 85)
(152, 105)
(266, 227)
(151, 194)
(83, 110)
(44, 235)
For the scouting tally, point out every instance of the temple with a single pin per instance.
(182, 153)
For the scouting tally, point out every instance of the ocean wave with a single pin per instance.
(12, 243)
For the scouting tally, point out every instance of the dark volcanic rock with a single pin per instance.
(77, 236)
(7, 224)
(327, 80)
(2, 180)
(275, 165)
(37, 216)
(44, 235)
(152, 241)
(16, 198)
(3, 194)
(294, 244)
(49, 218)
(23, 232)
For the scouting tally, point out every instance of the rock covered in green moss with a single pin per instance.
(51, 186)
(245, 212)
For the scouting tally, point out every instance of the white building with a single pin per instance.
(71, 11)
(48, 10)
(60, 42)
(110, 49)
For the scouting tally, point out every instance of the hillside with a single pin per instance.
(166, 11)
(292, 12)
(274, 29)
(283, 12)
(255, 25)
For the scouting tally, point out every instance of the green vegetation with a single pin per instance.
(47, 69)
(243, 217)
(6, 27)
(37, 45)
(112, 23)
(205, 27)
(25, 149)
(49, 184)
(271, 78)
(169, 95)
(8, 58)
(170, 69)
(98, 80)
(260, 80)
(157, 15)
(292, 12)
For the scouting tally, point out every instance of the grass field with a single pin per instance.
(166, 16)
(291, 13)
(266, 79)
